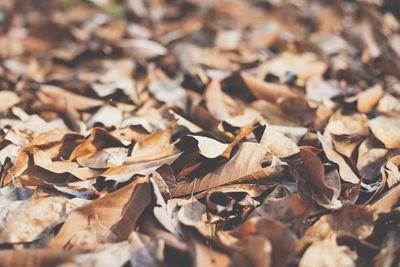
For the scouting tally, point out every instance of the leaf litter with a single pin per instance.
(186, 133)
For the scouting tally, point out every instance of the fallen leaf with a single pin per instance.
(8, 99)
(391, 169)
(327, 253)
(386, 129)
(367, 99)
(346, 173)
(326, 183)
(249, 155)
(109, 214)
(282, 239)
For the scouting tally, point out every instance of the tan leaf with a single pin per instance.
(54, 95)
(116, 213)
(215, 101)
(30, 220)
(281, 238)
(346, 173)
(327, 253)
(98, 140)
(387, 130)
(329, 185)
(155, 146)
(366, 100)
(8, 99)
(278, 144)
(265, 90)
(392, 171)
(245, 165)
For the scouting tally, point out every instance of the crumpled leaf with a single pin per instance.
(193, 213)
(278, 144)
(351, 219)
(392, 171)
(290, 210)
(346, 173)
(30, 220)
(327, 183)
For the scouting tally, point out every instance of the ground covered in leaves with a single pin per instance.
(199, 133)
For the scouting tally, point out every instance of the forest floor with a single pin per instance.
(199, 133)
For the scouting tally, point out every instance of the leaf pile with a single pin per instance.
(199, 133)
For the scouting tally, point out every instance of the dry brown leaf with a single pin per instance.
(326, 183)
(106, 115)
(386, 202)
(193, 213)
(8, 99)
(371, 157)
(304, 65)
(386, 129)
(98, 140)
(155, 146)
(356, 124)
(215, 101)
(346, 173)
(391, 169)
(388, 103)
(208, 147)
(245, 165)
(351, 219)
(327, 253)
(265, 90)
(30, 220)
(123, 173)
(290, 210)
(281, 238)
(346, 144)
(114, 215)
(58, 97)
(367, 99)
(278, 144)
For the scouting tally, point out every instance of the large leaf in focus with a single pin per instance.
(244, 166)
(109, 218)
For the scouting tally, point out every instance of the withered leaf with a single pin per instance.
(117, 212)
(386, 129)
(245, 165)
(328, 184)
